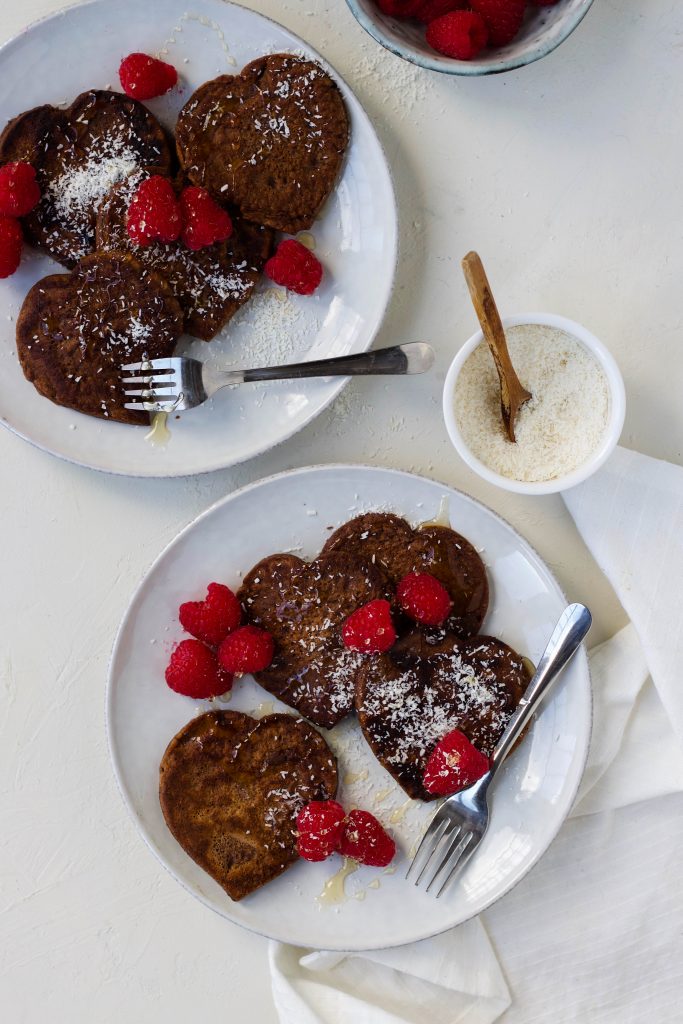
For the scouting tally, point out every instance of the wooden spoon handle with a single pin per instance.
(511, 390)
(489, 318)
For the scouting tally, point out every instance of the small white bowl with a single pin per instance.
(610, 438)
(543, 30)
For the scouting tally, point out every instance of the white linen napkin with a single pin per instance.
(631, 517)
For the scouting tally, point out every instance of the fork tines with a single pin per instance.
(155, 365)
(442, 852)
(156, 385)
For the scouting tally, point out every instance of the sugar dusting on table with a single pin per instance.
(558, 429)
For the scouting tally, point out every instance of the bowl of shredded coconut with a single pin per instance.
(564, 433)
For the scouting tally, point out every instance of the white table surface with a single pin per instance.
(566, 177)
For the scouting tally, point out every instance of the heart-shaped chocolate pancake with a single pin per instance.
(78, 154)
(408, 699)
(75, 331)
(391, 543)
(231, 787)
(210, 283)
(270, 140)
(304, 605)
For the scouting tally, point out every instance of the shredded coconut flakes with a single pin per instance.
(558, 429)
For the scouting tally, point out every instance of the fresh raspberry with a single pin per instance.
(370, 629)
(204, 221)
(454, 764)
(19, 191)
(144, 77)
(213, 618)
(295, 267)
(421, 596)
(503, 18)
(11, 241)
(429, 10)
(154, 212)
(460, 34)
(365, 840)
(194, 671)
(319, 827)
(399, 8)
(248, 649)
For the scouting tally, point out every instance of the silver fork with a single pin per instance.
(459, 825)
(164, 385)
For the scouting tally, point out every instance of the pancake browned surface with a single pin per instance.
(304, 606)
(75, 330)
(408, 699)
(270, 140)
(391, 543)
(231, 787)
(210, 283)
(78, 154)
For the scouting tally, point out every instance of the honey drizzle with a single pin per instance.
(159, 434)
(267, 708)
(333, 890)
(306, 239)
(443, 516)
(399, 813)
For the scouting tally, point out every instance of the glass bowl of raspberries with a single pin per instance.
(470, 37)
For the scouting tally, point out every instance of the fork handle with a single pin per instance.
(397, 359)
(567, 637)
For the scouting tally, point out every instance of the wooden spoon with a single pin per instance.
(512, 394)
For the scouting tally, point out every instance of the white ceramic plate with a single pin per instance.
(532, 796)
(53, 61)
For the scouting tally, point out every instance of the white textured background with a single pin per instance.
(566, 177)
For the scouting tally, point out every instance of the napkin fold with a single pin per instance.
(453, 977)
(630, 515)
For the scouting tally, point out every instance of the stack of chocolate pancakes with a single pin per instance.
(268, 145)
(231, 786)
(433, 680)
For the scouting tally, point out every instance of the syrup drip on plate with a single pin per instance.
(333, 890)
(379, 797)
(399, 814)
(306, 239)
(159, 434)
(443, 516)
(224, 698)
(267, 708)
